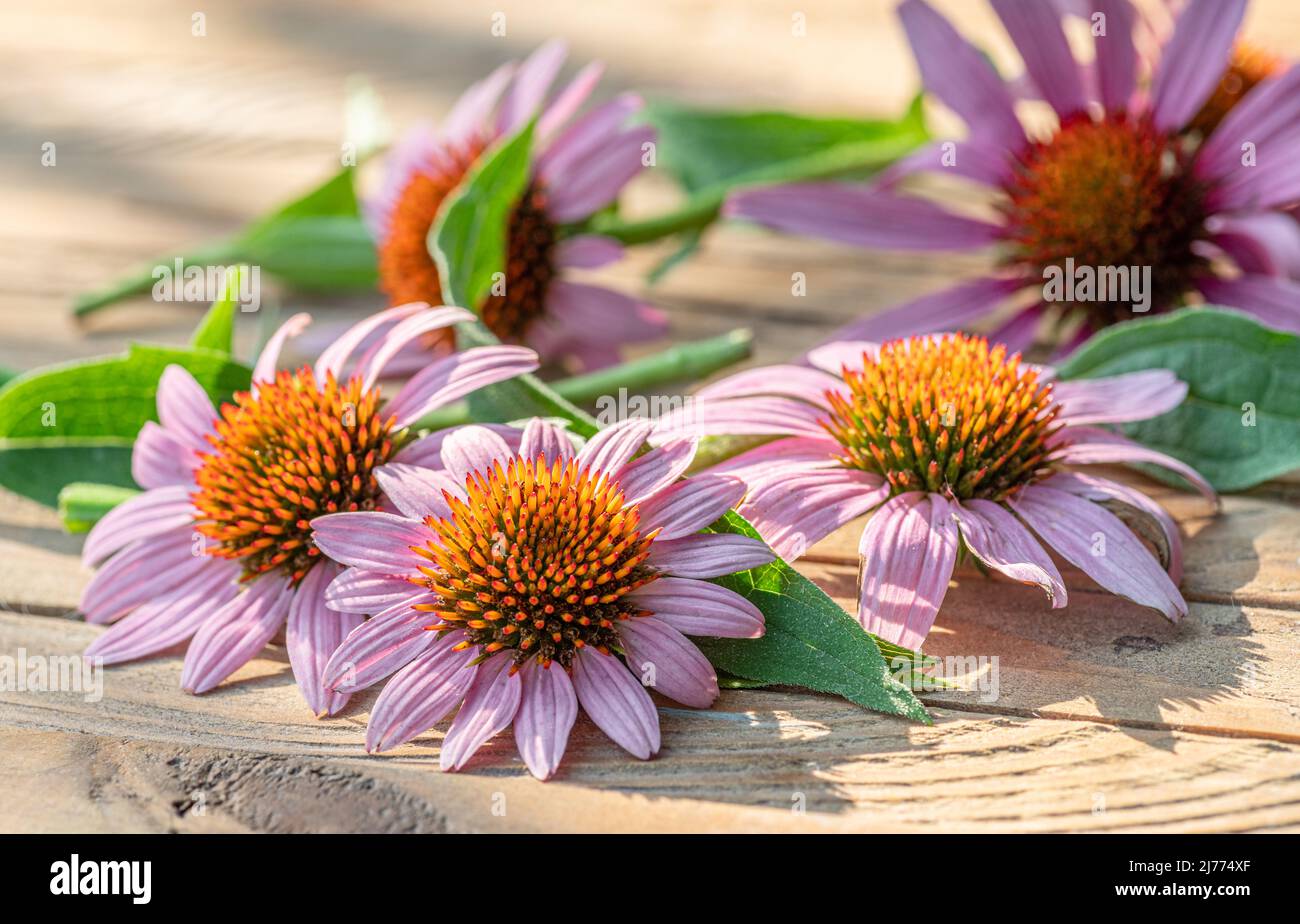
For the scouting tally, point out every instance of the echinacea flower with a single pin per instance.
(523, 580)
(1118, 184)
(949, 443)
(578, 167)
(217, 550)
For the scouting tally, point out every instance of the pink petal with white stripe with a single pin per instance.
(756, 416)
(490, 705)
(155, 511)
(473, 450)
(656, 470)
(700, 608)
(1092, 445)
(184, 408)
(708, 555)
(800, 382)
(611, 449)
(616, 702)
(312, 635)
(667, 662)
(1119, 398)
(264, 371)
(371, 540)
(456, 376)
(543, 439)
(548, 707)
(416, 491)
(143, 570)
(689, 506)
(999, 540)
(160, 459)
(421, 694)
(379, 646)
(357, 590)
(234, 635)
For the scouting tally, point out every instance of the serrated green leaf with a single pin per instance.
(216, 331)
(809, 641)
(1234, 367)
(468, 238)
(77, 421)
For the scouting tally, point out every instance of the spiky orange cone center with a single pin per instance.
(407, 272)
(538, 559)
(1101, 194)
(295, 450)
(947, 415)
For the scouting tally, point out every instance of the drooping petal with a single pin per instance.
(689, 506)
(1092, 445)
(169, 619)
(406, 331)
(337, 354)
(155, 511)
(667, 662)
(909, 550)
(233, 635)
(616, 702)
(953, 308)
(379, 646)
(416, 491)
(1119, 398)
(708, 555)
(145, 569)
(999, 540)
(490, 705)
(454, 377)
(760, 415)
(700, 608)
(862, 216)
(1098, 543)
(312, 634)
(371, 540)
(799, 382)
(548, 708)
(793, 509)
(1194, 60)
(421, 694)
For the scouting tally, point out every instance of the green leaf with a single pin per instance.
(707, 148)
(809, 641)
(6, 375)
(217, 329)
(77, 421)
(1231, 364)
(468, 238)
(82, 503)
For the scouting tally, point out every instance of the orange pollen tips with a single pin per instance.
(407, 273)
(946, 415)
(296, 450)
(539, 560)
(1109, 198)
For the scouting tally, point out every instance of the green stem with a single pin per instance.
(142, 281)
(82, 503)
(684, 362)
(702, 207)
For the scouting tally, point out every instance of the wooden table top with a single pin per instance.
(1106, 717)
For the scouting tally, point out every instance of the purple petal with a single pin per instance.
(155, 511)
(658, 653)
(793, 509)
(708, 555)
(421, 694)
(1035, 27)
(312, 635)
(490, 705)
(601, 315)
(1119, 398)
(587, 251)
(1092, 445)
(160, 459)
(908, 550)
(1267, 117)
(456, 376)
(337, 354)
(1273, 300)
(264, 371)
(233, 635)
(405, 332)
(543, 439)
(1099, 544)
(473, 450)
(610, 449)
(955, 308)
(757, 416)
(1194, 59)
(1263, 243)
(999, 540)
(357, 590)
(532, 81)
(1019, 332)
(860, 215)
(143, 570)
(379, 646)
(586, 135)
(371, 540)
(416, 491)
(184, 409)
(593, 180)
(616, 702)
(700, 608)
(468, 117)
(169, 619)
(959, 74)
(689, 506)
(426, 452)
(800, 382)
(548, 708)
(569, 100)
(656, 470)
(1116, 54)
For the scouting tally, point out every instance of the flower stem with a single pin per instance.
(138, 283)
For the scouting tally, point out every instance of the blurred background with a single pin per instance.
(166, 139)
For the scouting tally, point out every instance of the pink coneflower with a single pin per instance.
(525, 579)
(577, 170)
(217, 551)
(1118, 183)
(952, 444)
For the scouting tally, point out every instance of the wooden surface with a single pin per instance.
(1106, 717)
